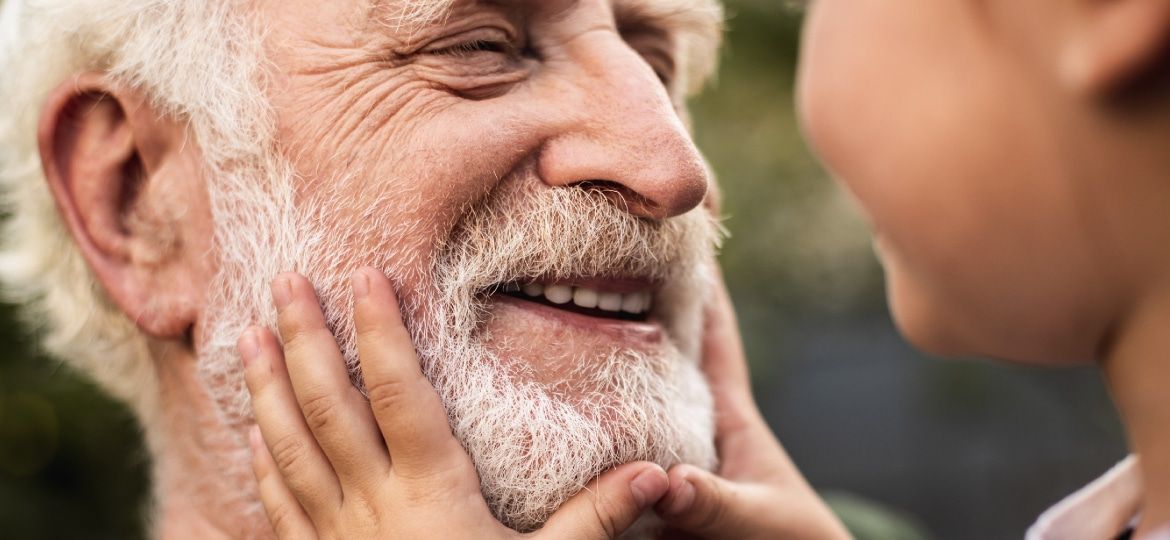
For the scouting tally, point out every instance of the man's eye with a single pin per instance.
(476, 64)
(468, 48)
(467, 44)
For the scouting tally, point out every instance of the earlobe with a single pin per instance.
(1114, 43)
(96, 152)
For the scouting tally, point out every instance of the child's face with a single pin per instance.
(945, 119)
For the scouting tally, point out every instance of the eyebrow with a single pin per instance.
(697, 16)
(424, 11)
(404, 13)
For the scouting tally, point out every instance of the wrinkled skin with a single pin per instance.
(552, 94)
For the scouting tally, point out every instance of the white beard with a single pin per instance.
(534, 445)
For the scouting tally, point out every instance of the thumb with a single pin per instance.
(701, 503)
(609, 505)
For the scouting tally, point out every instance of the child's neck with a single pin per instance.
(1137, 367)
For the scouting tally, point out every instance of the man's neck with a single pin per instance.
(1138, 371)
(203, 485)
(178, 521)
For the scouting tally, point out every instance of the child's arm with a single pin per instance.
(332, 465)
(758, 492)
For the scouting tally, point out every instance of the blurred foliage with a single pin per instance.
(867, 520)
(71, 460)
(796, 238)
(798, 248)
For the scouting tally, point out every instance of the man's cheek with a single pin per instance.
(365, 108)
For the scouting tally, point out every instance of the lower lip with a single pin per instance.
(647, 332)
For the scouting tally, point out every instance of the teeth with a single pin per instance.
(558, 294)
(609, 301)
(633, 303)
(586, 298)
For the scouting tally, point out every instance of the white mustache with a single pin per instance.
(528, 232)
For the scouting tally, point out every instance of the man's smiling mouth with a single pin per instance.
(603, 299)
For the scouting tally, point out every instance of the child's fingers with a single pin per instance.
(288, 519)
(703, 504)
(609, 505)
(295, 453)
(744, 441)
(724, 362)
(722, 344)
(409, 412)
(334, 410)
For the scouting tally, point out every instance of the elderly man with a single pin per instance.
(520, 169)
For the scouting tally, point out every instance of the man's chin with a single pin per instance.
(546, 399)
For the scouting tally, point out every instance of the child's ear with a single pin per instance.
(1113, 43)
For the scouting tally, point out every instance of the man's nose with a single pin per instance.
(623, 134)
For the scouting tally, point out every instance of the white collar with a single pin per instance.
(1101, 510)
(10, 14)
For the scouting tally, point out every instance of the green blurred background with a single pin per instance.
(903, 446)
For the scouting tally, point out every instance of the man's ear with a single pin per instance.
(111, 163)
(1114, 43)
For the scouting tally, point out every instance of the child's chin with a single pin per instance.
(930, 340)
(923, 327)
(940, 329)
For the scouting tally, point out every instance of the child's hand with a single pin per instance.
(758, 492)
(332, 465)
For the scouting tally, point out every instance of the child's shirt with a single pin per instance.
(1105, 509)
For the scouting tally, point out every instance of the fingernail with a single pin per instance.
(361, 284)
(281, 292)
(649, 486)
(249, 346)
(683, 498)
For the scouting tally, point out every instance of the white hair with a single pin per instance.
(198, 61)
